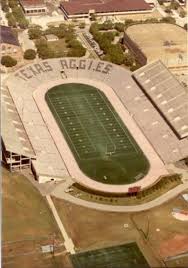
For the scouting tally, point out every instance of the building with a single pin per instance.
(51, 37)
(9, 43)
(73, 9)
(33, 7)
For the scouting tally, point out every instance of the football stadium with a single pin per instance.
(104, 127)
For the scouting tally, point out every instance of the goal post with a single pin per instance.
(110, 149)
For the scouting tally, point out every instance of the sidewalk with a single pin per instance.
(68, 241)
(59, 193)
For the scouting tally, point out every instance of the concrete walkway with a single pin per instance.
(25, 42)
(68, 241)
(59, 192)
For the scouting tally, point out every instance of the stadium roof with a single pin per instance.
(75, 7)
(13, 132)
(167, 94)
(7, 36)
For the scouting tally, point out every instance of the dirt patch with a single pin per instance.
(161, 226)
(174, 50)
(25, 212)
(175, 246)
(27, 224)
(91, 229)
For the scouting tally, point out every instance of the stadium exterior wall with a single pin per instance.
(133, 47)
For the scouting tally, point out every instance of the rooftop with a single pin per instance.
(7, 36)
(51, 37)
(167, 94)
(74, 7)
(13, 132)
(32, 3)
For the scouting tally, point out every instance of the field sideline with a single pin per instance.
(102, 145)
(156, 166)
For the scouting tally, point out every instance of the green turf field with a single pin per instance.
(102, 145)
(123, 256)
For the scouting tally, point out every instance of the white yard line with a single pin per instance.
(126, 134)
(68, 241)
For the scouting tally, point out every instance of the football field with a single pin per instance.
(123, 256)
(102, 145)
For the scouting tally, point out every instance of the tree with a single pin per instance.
(30, 54)
(34, 33)
(128, 22)
(116, 54)
(129, 59)
(77, 50)
(185, 26)
(8, 61)
(119, 26)
(11, 20)
(12, 3)
(168, 20)
(107, 25)
(135, 67)
(168, 10)
(23, 23)
(82, 25)
(182, 13)
(69, 38)
(20, 17)
(174, 5)
(4, 6)
(43, 49)
(151, 20)
(93, 17)
(108, 35)
(160, 2)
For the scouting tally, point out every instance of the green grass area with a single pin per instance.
(25, 213)
(59, 47)
(102, 145)
(123, 256)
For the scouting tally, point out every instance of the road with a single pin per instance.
(58, 190)
(60, 193)
(87, 45)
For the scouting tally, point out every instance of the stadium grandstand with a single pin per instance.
(73, 9)
(165, 111)
(140, 98)
(167, 94)
(16, 147)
